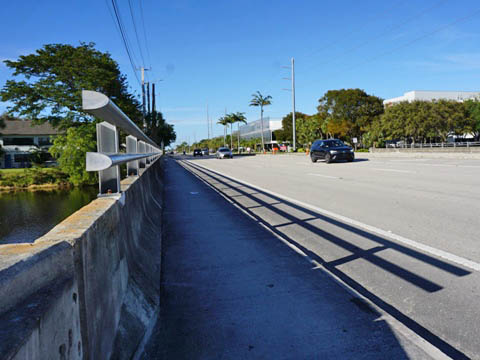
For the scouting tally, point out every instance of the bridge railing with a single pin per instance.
(141, 151)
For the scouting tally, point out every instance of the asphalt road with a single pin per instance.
(402, 232)
(231, 290)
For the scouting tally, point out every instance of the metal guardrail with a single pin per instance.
(141, 150)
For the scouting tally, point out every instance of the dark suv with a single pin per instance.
(331, 150)
(197, 152)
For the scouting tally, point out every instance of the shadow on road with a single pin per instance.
(250, 199)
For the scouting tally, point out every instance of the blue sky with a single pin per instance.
(220, 52)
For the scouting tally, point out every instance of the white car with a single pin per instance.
(223, 153)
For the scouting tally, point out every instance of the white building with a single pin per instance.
(433, 95)
(254, 129)
(19, 139)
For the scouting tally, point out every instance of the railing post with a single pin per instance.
(148, 150)
(142, 150)
(132, 166)
(107, 142)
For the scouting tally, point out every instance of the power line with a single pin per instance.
(443, 27)
(136, 33)
(145, 34)
(124, 38)
(353, 31)
(383, 33)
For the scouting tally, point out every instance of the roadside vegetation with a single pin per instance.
(352, 113)
(46, 87)
(23, 178)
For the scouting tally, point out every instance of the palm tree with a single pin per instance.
(238, 118)
(224, 121)
(231, 121)
(260, 100)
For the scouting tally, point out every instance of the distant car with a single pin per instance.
(205, 151)
(331, 150)
(197, 152)
(223, 153)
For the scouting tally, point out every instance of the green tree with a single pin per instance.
(238, 118)
(48, 88)
(286, 133)
(472, 108)
(309, 128)
(182, 147)
(349, 112)
(259, 100)
(422, 121)
(70, 151)
(51, 81)
(159, 130)
(2, 126)
(224, 121)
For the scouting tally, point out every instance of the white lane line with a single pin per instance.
(428, 249)
(395, 170)
(441, 165)
(408, 160)
(325, 176)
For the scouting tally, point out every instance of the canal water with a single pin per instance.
(27, 215)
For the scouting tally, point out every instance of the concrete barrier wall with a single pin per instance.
(448, 153)
(89, 288)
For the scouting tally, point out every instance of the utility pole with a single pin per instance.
(153, 99)
(292, 78)
(293, 104)
(208, 124)
(142, 69)
(148, 98)
(211, 128)
(225, 130)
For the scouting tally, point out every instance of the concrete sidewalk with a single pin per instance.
(232, 290)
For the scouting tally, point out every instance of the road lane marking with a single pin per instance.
(325, 176)
(395, 170)
(408, 160)
(415, 244)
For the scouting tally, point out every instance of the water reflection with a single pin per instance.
(26, 215)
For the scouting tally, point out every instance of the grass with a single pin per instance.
(11, 171)
(21, 178)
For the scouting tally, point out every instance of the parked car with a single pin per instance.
(331, 150)
(223, 153)
(205, 151)
(197, 152)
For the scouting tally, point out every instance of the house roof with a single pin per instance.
(24, 127)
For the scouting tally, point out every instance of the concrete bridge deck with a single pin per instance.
(232, 289)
